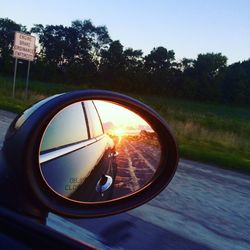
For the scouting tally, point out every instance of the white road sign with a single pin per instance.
(24, 46)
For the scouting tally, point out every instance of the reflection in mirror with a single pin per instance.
(96, 151)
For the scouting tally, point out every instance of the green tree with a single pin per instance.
(133, 60)
(159, 60)
(112, 60)
(7, 31)
(186, 64)
(236, 85)
(209, 65)
(72, 52)
(207, 73)
(160, 69)
(122, 67)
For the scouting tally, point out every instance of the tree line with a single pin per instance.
(85, 53)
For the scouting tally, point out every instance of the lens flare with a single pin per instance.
(119, 132)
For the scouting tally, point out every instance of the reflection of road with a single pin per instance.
(136, 165)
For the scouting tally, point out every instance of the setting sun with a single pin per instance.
(119, 132)
(120, 121)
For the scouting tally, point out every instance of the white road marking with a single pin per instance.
(135, 184)
(142, 157)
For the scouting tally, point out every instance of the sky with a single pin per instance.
(189, 27)
(115, 117)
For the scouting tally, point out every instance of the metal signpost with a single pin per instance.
(24, 48)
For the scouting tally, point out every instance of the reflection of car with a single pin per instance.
(76, 156)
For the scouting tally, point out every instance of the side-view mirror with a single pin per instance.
(87, 154)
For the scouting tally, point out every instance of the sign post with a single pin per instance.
(27, 81)
(14, 80)
(24, 48)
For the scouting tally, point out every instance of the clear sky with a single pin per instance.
(189, 27)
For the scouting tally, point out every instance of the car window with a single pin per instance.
(96, 128)
(67, 127)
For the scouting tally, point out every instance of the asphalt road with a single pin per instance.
(136, 164)
(204, 207)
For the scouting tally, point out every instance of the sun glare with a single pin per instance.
(119, 132)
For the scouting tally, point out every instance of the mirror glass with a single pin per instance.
(97, 151)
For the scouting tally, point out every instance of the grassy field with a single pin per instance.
(37, 91)
(209, 133)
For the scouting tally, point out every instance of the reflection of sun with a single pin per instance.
(119, 132)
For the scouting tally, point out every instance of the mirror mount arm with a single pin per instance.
(14, 197)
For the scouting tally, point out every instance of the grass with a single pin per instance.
(37, 91)
(205, 132)
(211, 133)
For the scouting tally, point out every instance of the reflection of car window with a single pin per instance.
(67, 127)
(93, 119)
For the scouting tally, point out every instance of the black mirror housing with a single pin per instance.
(21, 181)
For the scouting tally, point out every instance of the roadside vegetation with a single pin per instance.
(207, 132)
(212, 133)
(205, 100)
(37, 90)
(84, 53)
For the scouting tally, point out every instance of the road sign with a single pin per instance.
(24, 46)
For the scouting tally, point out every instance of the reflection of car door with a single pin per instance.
(68, 153)
(87, 191)
(74, 152)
